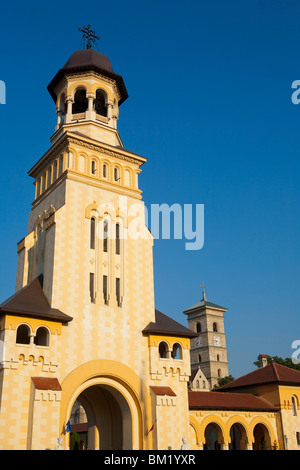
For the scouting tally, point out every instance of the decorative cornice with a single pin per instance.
(99, 148)
(66, 139)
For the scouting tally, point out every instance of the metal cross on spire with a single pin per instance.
(88, 34)
(203, 291)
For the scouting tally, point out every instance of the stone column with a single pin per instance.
(109, 111)
(59, 120)
(90, 113)
(69, 102)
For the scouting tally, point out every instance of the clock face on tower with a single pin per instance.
(217, 341)
(198, 342)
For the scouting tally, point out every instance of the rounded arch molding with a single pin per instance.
(116, 375)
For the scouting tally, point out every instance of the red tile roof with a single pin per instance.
(46, 383)
(228, 401)
(271, 373)
(163, 391)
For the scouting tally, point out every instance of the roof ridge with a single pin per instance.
(275, 371)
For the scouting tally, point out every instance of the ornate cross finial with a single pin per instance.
(88, 34)
(203, 291)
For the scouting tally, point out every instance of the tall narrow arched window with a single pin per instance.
(80, 104)
(92, 233)
(118, 293)
(105, 235)
(215, 327)
(104, 170)
(100, 103)
(49, 177)
(93, 167)
(55, 170)
(198, 327)
(92, 287)
(116, 174)
(294, 406)
(62, 107)
(60, 165)
(117, 239)
(105, 290)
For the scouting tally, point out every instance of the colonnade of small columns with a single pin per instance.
(89, 115)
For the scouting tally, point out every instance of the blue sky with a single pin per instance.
(210, 106)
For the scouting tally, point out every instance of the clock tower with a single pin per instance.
(208, 349)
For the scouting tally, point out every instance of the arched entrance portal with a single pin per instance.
(109, 422)
(238, 437)
(262, 440)
(213, 437)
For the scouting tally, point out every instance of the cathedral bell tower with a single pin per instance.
(82, 325)
(87, 94)
(208, 350)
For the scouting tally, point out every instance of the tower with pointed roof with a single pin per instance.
(208, 349)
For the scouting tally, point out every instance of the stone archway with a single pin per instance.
(213, 437)
(105, 381)
(262, 439)
(109, 420)
(238, 437)
(113, 415)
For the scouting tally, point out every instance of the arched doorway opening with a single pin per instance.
(238, 437)
(213, 437)
(106, 420)
(262, 440)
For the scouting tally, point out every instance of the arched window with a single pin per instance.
(294, 406)
(163, 350)
(117, 239)
(44, 182)
(62, 107)
(80, 104)
(55, 170)
(116, 174)
(215, 327)
(49, 177)
(105, 235)
(93, 167)
(60, 165)
(198, 327)
(23, 334)
(118, 293)
(104, 170)
(219, 373)
(92, 234)
(176, 351)
(199, 358)
(100, 103)
(218, 357)
(41, 337)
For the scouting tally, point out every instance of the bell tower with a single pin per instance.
(87, 94)
(86, 194)
(208, 350)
